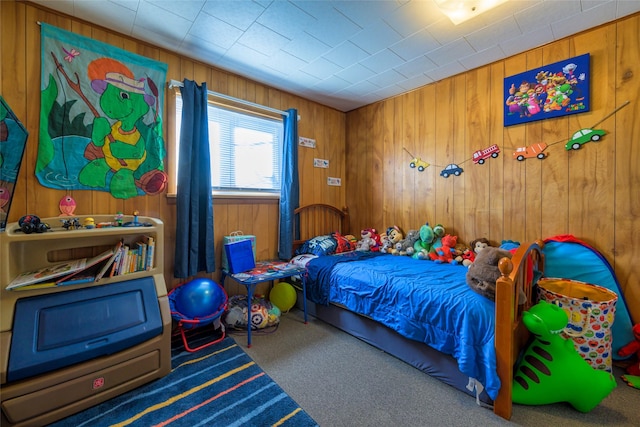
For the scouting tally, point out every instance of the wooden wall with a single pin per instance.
(20, 86)
(592, 193)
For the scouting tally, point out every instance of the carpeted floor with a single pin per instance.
(216, 386)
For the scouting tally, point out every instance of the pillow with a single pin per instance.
(302, 260)
(319, 245)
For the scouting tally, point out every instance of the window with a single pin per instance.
(246, 150)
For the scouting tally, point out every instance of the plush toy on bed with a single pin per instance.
(484, 272)
(479, 244)
(393, 236)
(444, 254)
(463, 254)
(424, 245)
(405, 246)
(369, 240)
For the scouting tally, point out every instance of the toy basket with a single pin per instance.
(591, 312)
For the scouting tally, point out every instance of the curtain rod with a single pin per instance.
(175, 83)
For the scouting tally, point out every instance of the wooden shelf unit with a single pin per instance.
(22, 401)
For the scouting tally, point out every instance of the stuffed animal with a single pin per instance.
(445, 252)
(438, 234)
(423, 245)
(405, 246)
(484, 272)
(369, 240)
(633, 348)
(393, 236)
(463, 254)
(479, 244)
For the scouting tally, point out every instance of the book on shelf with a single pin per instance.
(110, 261)
(48, 273)
(88, 268)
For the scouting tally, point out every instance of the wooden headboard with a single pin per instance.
(318, 219)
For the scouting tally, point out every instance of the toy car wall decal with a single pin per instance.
(417, 162)
(583, 136)
(480, 155)
(451, 169)
(533, 150)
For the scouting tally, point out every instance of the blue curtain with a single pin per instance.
(290, 185)
(194, 227)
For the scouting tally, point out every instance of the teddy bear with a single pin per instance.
(369, 240)
(633, 348)
(393, 235)
(445, 252)
(405, 246)
(483, 273)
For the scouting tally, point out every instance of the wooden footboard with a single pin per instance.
(511, 334)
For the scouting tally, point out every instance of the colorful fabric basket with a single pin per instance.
(591, 312)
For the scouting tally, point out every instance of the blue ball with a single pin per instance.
(199, 297)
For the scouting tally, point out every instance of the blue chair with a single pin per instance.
(197, 303)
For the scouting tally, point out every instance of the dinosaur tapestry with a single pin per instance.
(100, 117)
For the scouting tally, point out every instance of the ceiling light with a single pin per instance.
(461, 10)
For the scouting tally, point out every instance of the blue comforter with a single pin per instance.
(422, 300)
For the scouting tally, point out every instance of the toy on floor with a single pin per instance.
(551, 370)
(630, 349)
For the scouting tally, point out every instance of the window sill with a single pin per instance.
(229, 197)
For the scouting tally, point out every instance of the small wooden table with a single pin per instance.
(265, 271)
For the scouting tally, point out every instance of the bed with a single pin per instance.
(423, 312)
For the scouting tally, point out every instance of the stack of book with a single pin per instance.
(118, 260)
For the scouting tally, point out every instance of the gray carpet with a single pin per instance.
(342, 381)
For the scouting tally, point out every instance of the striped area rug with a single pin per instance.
(216, 386)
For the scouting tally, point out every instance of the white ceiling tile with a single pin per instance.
(450, 52)
(447, 70)
(263, 39)
(240, 14)
(571, 25)
(306, 47)
(355, 73)
(376, 37)
(530, 40)
(415, 45)
(411, 17)
(627, 7)
(331, 85)
(215, 31)
(321, 68)
(363, 12)
(415, 67)
(363, 87)
(193, 46)
(386, 78)
(129, 4)
(333, 28)
(415, 82)
(382, 61)
(296, 19)
(346, 54)
(122, 18)
(154, 18)
(479, 59)
(490, 36)
(240, 53)
(284, 62)
(187, 9)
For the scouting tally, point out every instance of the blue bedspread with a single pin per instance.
(422, 300)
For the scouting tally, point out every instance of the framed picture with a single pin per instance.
(554, 90)
(13, 139)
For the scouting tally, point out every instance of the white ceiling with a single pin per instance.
(344, 54)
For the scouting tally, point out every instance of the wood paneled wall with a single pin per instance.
(592, 193)
(20, 86)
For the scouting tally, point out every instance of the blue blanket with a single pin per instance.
(422, 300)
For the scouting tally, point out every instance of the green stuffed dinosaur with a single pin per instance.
(551, 370)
